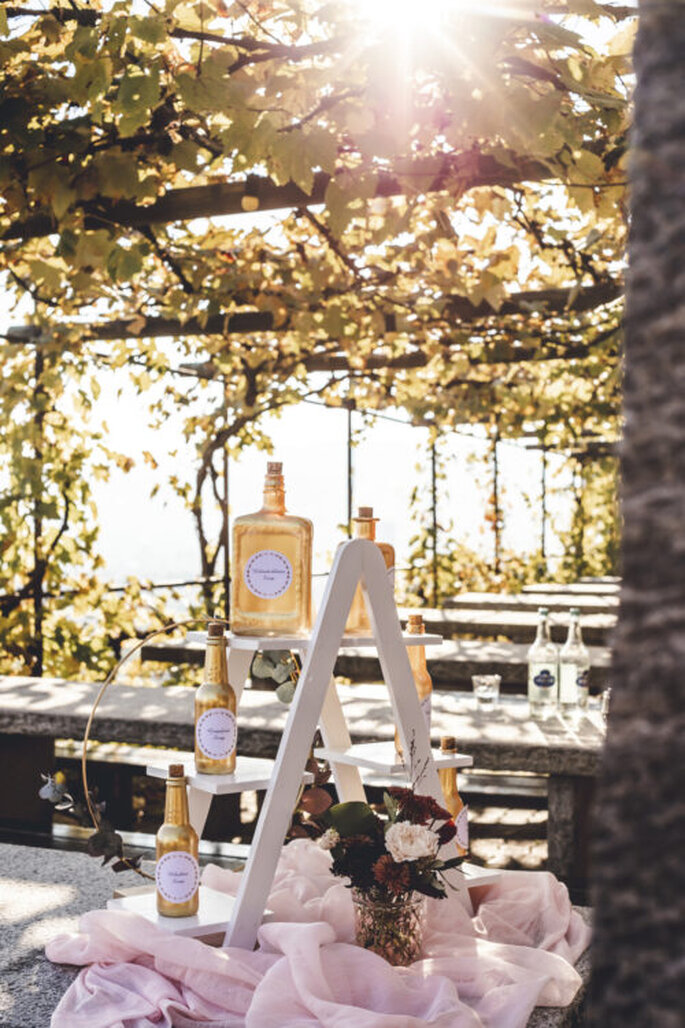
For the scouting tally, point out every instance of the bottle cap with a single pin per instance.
(274, 467)
(575, 612)
(365, 512)
(176, 771)
(543, 611)
(215, 629)
(448, 743)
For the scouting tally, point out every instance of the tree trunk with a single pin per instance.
(639, 948)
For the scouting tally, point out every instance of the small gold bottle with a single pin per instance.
(216, 728)
(271, 590)
(453, 801)
(358, 622)
(177, 872)
(422, 679)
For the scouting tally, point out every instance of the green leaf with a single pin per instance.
(119, 175)
(352, 818)
(286, 692)
(151, 28)
(391, 805)
(138, 92)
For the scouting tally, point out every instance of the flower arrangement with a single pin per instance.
(393, 853)
(392, 861)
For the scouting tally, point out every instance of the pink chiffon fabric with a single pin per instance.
(485, 971)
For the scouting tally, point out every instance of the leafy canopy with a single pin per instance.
(462, 259)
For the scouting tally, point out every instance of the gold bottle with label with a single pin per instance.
(422, 679)
(271, 590)
(358, 622)
(177, 872)
(216, 729)
(453, 801)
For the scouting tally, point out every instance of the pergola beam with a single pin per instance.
(543, 301)
(429, 175)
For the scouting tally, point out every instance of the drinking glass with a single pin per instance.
(486, 690)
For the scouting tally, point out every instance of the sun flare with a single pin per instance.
(405, 15)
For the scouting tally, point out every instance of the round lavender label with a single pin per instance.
(177, 875)
(268, 574)
(216, 732)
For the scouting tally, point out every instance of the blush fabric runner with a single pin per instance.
(485, 971)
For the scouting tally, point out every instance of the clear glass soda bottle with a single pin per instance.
(574, 668)
(543, 670)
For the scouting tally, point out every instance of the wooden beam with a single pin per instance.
(547, 301)
(543, 301)
(434, 174)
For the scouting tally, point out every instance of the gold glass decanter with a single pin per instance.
(365, 528)
(271, 590)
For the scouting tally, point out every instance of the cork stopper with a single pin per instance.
(448, 744)
(365, 512)
(274, 467)
(415, 624)
(176, 771)
(215, 630)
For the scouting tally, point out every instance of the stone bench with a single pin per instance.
(451, 665)
(587, 604)
(34, 712)
(517, 626)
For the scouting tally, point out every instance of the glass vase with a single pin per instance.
(391, 927)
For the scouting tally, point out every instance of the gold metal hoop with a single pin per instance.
(103, 688)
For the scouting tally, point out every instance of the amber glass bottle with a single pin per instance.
(358, 622)
(216, 729)
(422, 679)
(177, 872)
(271, 591)
(453, 801)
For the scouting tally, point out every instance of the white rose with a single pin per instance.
(329, 839)
(405, 841)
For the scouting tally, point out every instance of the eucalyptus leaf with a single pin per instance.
(262, 666)
(286, 692)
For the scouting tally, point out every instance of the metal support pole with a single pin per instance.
(350, 471)
(434, 516)
(227, 542)
(543, 503)
(495, 500)
(36, 646)
(226, 517)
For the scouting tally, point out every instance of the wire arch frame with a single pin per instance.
(96, 703)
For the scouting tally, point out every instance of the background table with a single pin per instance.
(36, 711)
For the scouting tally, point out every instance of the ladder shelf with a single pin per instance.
(316, 704)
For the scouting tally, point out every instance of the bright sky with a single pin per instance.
(154, 538)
